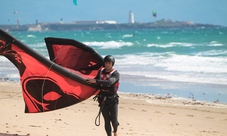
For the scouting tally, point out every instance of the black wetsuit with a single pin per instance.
(108, 100)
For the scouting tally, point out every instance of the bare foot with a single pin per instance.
(115, 133)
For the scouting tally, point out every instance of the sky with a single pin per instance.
(197, 11)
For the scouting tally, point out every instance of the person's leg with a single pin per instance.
(106, 116)
(114, 117)
(115, 134)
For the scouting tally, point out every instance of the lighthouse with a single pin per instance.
(131, 17)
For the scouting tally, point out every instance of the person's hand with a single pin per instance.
(90, 81)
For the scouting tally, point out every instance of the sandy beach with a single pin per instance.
(139, 115)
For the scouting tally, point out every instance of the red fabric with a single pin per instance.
(36, 71)
(45, 89)
(74, 58)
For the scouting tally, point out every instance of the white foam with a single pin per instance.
(212, 53)
(172, 62)
(169, 66)
(16, 75)
(32, 36)
(179, 77)
(3, 59)
(109, 44)
(127, 35)
(194, 64)
(171, 44)
(146, 58)
(215, 43)
(41, 44)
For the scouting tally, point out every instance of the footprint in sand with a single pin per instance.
(172, 113)
(205, 131)
(131, 108)
(121, 107)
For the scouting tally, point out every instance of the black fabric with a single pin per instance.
(108, 100)
(110, 114)
(109, 108)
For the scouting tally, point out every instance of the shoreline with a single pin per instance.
(139, 114)
(158, 93)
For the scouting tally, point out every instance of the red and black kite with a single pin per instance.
(56, 83)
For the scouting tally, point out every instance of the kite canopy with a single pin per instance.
(154, 14)
(75, 2)
(56, 83)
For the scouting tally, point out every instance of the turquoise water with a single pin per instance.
(178, 61)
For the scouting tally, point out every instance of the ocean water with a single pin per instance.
(182, 62)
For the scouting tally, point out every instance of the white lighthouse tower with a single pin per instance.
(131, 17)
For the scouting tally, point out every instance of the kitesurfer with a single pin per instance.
(108, 79)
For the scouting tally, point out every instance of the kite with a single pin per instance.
(75, 2)
(154, 13)
(58, 82)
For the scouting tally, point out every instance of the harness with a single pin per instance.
(107, 76)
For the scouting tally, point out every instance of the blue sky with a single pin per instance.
(197, 11)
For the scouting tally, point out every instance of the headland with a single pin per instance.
(94, 25)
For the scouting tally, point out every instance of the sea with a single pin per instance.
(184, 63)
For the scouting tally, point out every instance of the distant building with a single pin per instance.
(190, 22)
(106, 22)
(35, 28)
(131, 17)
(96, 22)
(18, 22)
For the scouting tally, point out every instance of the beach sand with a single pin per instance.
(139, 115)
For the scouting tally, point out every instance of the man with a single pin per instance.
(108, 79)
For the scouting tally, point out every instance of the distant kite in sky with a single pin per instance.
(15, 12)
(154, 13)
(75, 2)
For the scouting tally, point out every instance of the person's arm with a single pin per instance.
(114, 77)
(93, 80)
